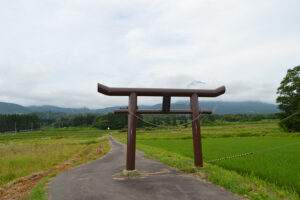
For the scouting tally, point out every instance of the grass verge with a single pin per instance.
(39, 192)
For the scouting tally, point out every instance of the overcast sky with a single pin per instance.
(54, 52)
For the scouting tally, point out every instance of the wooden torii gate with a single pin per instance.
(132, 111)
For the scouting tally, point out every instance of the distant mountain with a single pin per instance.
(228, 107)
(48, 108)
(11, 108)
(218, 107)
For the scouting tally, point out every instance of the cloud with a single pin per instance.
(55, 52)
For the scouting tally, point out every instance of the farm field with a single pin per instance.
(275, 157)
(47, 151)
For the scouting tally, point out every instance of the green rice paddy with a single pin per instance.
(275, 158)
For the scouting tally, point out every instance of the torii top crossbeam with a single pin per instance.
(113, 91)
(132, 110)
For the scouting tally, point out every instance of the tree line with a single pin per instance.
(120, 121)
(17, 122)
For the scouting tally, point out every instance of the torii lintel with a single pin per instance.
(113, 91)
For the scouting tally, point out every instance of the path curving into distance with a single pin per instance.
(101, 179)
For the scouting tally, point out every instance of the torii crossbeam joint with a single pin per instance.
(132, 110)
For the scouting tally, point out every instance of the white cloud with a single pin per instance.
(57, 51)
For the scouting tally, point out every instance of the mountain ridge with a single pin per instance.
(218, 107)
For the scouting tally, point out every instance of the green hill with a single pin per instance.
(218, 107)
(11, 108)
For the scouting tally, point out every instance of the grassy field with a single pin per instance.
(23, 154)
(275, 157)
(271, 172)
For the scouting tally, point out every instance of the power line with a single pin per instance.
(254, 152)
(162, 126)
(289, 116)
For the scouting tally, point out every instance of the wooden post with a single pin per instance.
(131, 135)
(196, 131)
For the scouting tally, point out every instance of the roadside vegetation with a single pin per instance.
(271, 171)
(31, 158)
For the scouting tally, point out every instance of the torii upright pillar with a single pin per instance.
(131, 135)
(132, 111)
(196, 131)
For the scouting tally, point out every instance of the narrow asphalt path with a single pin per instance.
(101, 179)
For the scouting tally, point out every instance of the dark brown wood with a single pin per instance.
(159, 91)
(196, 131)
(166, 105)
(131, 135)
(162, 112)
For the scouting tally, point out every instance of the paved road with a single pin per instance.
(101, 179)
